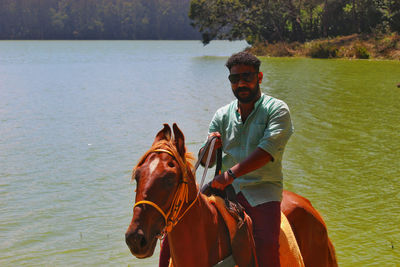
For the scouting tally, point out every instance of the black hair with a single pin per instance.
(243, 58)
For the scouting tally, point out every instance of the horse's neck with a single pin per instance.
(201, 215)
(200, 237)
(197, 218)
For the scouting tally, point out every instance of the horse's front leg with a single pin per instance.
(165, 254)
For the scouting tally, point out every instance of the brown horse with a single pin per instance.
(167, 201)
(310, 231)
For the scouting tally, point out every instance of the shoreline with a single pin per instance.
(355, 46)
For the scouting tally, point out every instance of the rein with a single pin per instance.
(181, 196)
(210, 144)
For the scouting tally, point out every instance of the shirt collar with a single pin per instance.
(256, 104)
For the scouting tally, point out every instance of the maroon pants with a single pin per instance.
(266, 220)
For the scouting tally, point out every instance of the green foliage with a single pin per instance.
(323, 50)
(95, 19)
(251, 20)
(288, 20)
(361, 52)
(348, 8)
(388, 43)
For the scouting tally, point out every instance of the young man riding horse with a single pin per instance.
(253, 131)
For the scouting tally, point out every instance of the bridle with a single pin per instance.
(171, 217)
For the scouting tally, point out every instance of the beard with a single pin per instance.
(252, 93)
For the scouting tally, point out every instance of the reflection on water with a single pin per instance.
(75, 117)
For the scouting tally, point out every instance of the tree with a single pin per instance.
(290, 20)
(95, 19)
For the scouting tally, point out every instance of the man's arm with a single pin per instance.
(274, 140)
(254, 161)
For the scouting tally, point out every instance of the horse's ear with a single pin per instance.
(164, 134)
(179, 140)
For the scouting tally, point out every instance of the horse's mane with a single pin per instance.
(185, 164)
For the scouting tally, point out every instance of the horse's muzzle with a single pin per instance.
(138, 243)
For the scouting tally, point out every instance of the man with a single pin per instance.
(253, 131)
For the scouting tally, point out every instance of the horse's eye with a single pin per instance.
(169, 180)
(171, 164)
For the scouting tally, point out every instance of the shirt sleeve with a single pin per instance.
(278, 131)
(213, 127)
(215, 124)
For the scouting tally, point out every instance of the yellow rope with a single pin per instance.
(164, 150)
(154, 206)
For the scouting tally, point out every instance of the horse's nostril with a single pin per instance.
(140, 238)
(143, 242)
(136, 239)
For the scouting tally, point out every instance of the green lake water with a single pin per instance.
(76, 116)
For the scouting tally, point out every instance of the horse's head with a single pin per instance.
(159, 176)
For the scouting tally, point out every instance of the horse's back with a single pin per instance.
(309, 229)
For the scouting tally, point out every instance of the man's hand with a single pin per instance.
(255, 160)
(218, 142)
(221, 181)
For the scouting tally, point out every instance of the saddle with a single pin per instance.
(239, 226)
(241, 232)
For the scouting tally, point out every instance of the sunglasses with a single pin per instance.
(245, 76)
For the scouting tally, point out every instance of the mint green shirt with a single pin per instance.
(268, 127)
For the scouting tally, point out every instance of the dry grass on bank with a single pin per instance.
(352, 46)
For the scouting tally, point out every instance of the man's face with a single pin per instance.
(245, 83)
